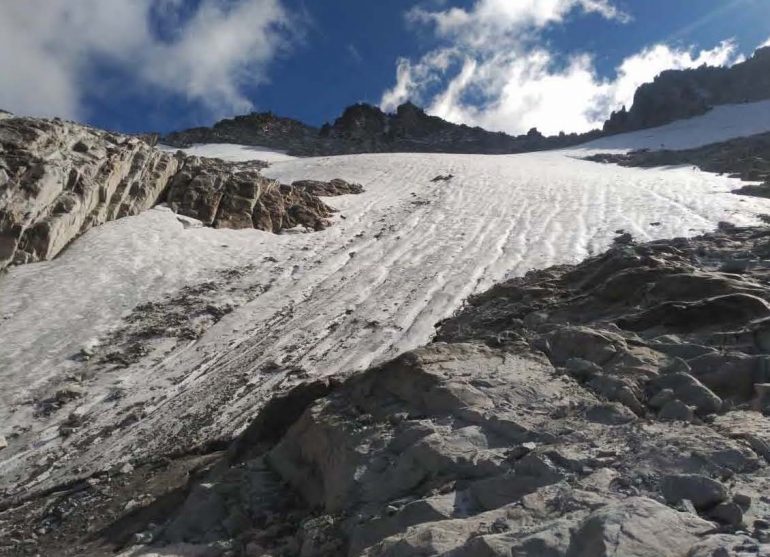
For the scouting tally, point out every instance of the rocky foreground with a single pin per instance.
(59, 179)
(613, 408)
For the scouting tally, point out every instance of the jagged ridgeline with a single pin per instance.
(363, 128)
(59, 179)
(678, 94)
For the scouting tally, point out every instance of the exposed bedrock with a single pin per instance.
(235, 195)
(572, 412)
(59, 179)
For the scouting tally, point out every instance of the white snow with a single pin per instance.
(399, 257)
(230, 152)
(718, 124)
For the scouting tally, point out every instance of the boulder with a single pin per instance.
(703, 492)
(638, 527)
(689, 390)
(676, 411)
(598, 347)
(727, 512)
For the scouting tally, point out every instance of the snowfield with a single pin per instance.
(399, 257)
(719, 124)
(228, 152)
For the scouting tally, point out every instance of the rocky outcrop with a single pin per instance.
(331, 188)
(363, 128)
(234, 195)
(59, 179)
(264, 129)
(677, 94)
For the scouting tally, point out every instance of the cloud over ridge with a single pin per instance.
(492, 68)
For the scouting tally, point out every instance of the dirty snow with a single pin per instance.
(399, 257)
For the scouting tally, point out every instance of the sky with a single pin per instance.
(505, 65)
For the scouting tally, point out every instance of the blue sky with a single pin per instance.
(503, 64)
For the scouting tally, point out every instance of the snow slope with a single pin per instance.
(229, 152)
(399, 257)
(719, 124)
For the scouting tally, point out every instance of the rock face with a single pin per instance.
(264, 129)
(235, 195)
(363, 128)
(59, 179)
(677, 94)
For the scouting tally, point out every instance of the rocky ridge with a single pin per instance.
(59, 179)
(677, 94)
(364, 128)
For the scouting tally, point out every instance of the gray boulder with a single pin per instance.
(703, 492)
(638, 526)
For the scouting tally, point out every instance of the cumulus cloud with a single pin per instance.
(50, 50)
(492, 69)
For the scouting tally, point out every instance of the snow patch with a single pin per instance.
(231, 152)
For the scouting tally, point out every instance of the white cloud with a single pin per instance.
(503, 78)
(492, 20)
(50, 49)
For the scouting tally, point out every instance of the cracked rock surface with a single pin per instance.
(59, 179)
